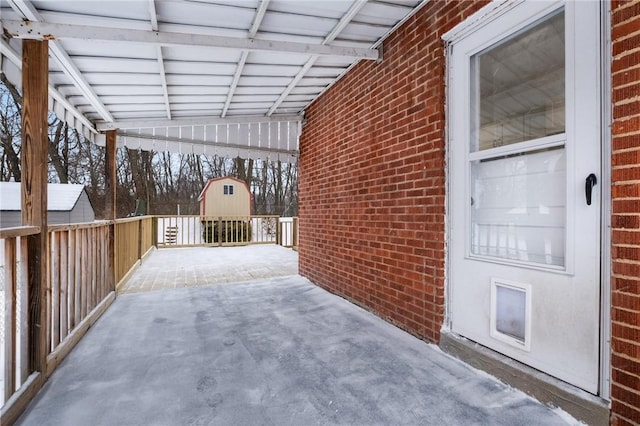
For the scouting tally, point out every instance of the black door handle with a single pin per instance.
(590, 182)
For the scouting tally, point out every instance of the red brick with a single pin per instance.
(626, 77)
(626, 125)
(622, 29)
(626, 396)
(626, 44)
(624, 414)
(626, 142)
(625, 379)
(625, 158)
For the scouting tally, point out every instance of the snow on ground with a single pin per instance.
(279, 351)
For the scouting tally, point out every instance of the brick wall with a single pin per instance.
(372, 186)
(625, 161)
(372, 196)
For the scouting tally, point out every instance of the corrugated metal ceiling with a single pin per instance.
(120, 79)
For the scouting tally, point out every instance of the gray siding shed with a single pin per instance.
(67, 203)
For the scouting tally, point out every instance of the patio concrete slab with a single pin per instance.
(271, 352)
(197, 266)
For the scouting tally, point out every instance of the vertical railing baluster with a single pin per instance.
(64, 283)
(77, 261)
(10, 317)
(55, 289)
(22, 321)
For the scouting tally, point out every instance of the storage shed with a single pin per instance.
(225, 196)
(66, 203)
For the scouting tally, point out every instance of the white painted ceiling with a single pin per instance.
(196, 74)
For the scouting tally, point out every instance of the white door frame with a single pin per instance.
(472, 23)
(605, 238)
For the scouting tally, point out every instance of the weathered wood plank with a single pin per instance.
(84, 278)
(10, 314)
(71, 226)
(110, 184)
(33, 159)
(14, 407)
(78, 276)
(71, 279)
(23, 320)
(64, 283)
(55, 289)
(18, 231)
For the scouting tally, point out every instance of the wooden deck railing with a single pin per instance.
(81, 284)
(13, 325)
(85, 264)
(184, 231)
(133, 240)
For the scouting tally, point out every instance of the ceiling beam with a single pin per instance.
(43, 30)
(344, 21)
(13, 56)
(262, 9)
(163, 77)
(28, 11)
(194, 121)
(209, 143)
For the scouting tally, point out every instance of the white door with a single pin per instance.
(524, 196)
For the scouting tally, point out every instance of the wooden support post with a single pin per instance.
(154, 231)
(140, 220)
(35, 147)
(110, 175)
(110, 188)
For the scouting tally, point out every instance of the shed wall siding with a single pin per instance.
(10, 219)
(625, 221)
(82, 212)
(217, 204)
(372, 180)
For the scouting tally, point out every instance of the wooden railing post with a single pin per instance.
(10, 313)
(278, 231)
(110, 187)
(219, 231)
(35, 72)
(294, 233)
(140, 220)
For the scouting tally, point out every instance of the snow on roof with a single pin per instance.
(60, 197)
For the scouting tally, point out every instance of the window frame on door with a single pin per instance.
(520, 16)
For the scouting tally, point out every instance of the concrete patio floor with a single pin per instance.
(279, 351)
(197, 266)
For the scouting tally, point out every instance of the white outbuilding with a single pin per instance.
(66, 203)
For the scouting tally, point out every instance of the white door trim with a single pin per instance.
(605, 257)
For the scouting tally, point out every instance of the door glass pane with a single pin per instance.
(517, 87)
(518, 207)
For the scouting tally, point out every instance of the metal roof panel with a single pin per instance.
(108, 79)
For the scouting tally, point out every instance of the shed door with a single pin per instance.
(524, 191)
